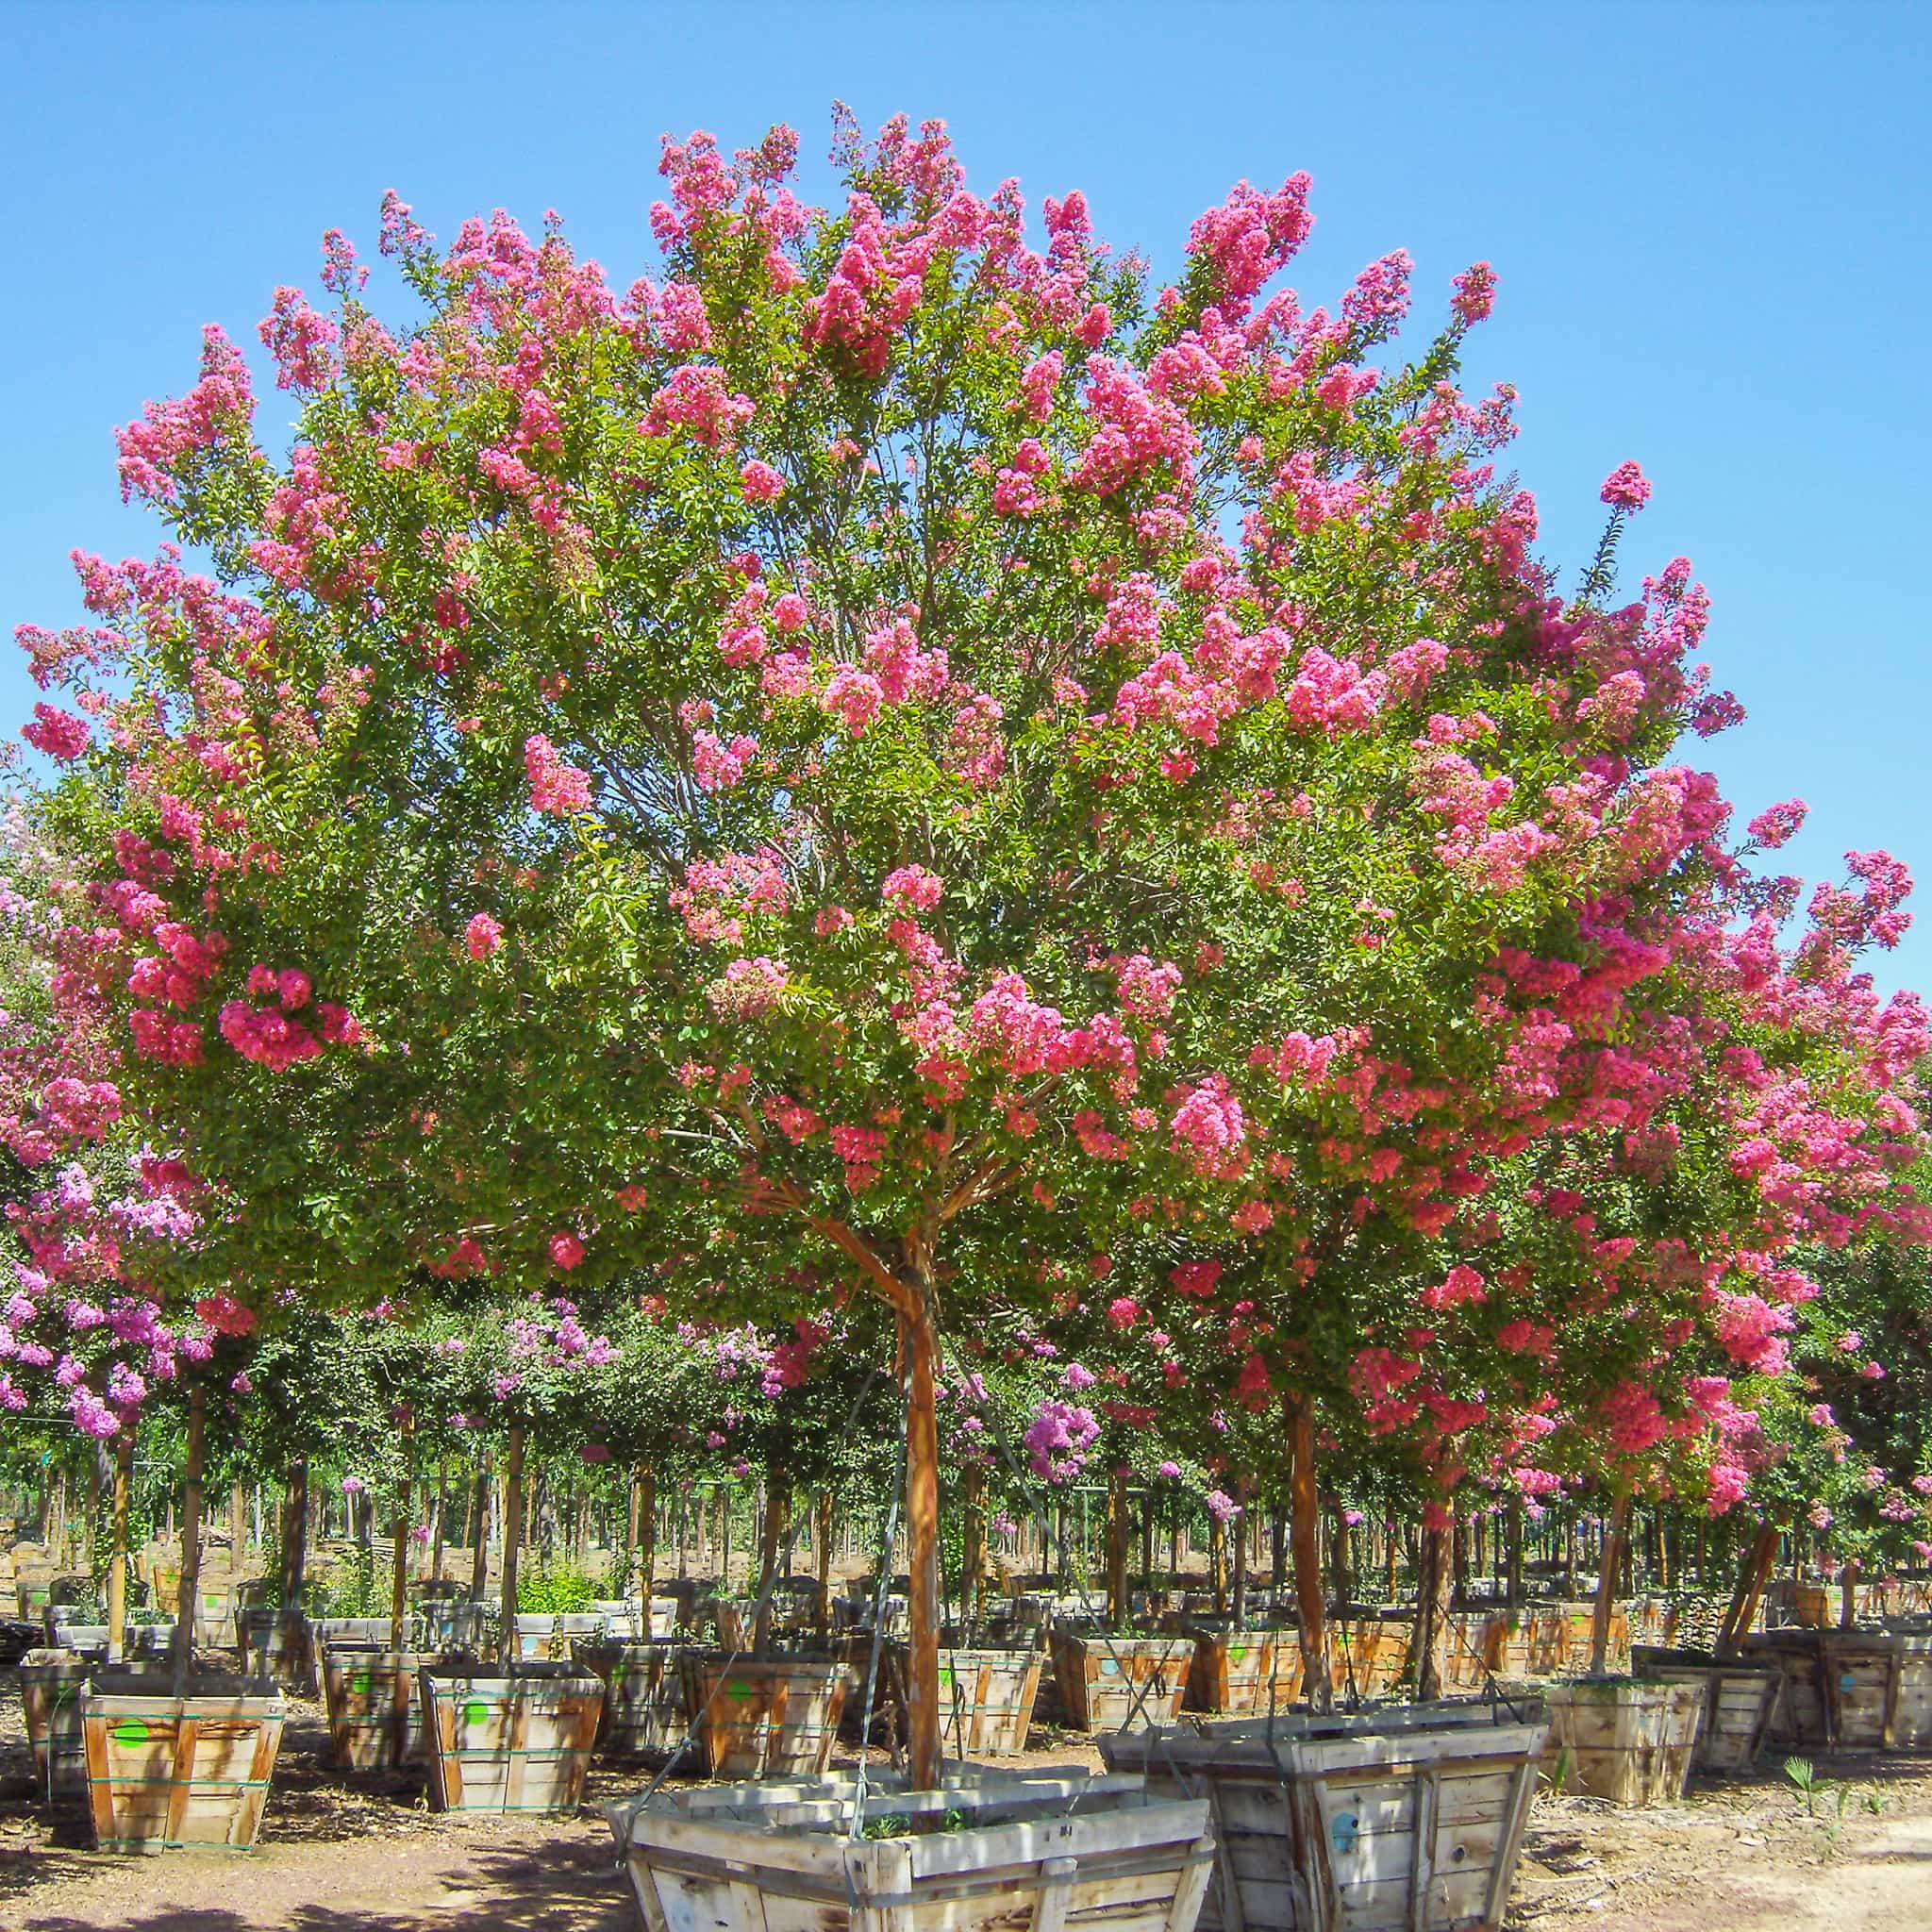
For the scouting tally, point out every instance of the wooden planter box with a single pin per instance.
(165, 1772)
(518, 1742)
(1811, 1606)
(1109, 1683)
(1850, 1690)
(51, 1684)
(1546, 1640)
(1740, 1701)
(335, 1633)
(756, 1859)
(646, 1703)
(769, 1717)
(1238, 1671)
(1367, 1655)
(1407, 1818)
(1469, 1657)
(1626, 1740)
(375, 1705)
(986, 1698)
(274, 1645)
(454, 1624)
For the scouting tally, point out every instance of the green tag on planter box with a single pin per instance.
(362, 1684)
(945, 1673)
(739, 1689)
(1239, 1653)
(477, 1714)
(130, 1730)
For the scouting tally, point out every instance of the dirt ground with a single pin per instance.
(368, 1856)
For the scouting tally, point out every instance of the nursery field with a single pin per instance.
(1740, 1855)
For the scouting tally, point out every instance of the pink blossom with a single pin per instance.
(719, 766)
(566, 1250)
(482, 936)
(1625, 487)
(58, 733)
(913, 889)
(556, 787)
(760, 483)
(1778, 823)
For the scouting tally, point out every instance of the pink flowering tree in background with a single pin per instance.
(886, 745)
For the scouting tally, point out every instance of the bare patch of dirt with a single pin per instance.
(1743, 1855)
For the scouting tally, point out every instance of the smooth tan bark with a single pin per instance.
(117, 1544)
(1304, 1552)
(921, 1546)
(188, 1596)
(1610, 1569)
(1434, 1590)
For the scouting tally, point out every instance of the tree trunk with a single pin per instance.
(294, 1567)
(822, 1536)
(117, 1544)
(921, 1345)
(1754, 1571)
(1340, 1581)
(1117, 1547)
(1305, 1551)
(1217, 1563)
(1512, 1558)
(1436, 1581)
(188, 1598)
(441, 1510)
(479, 1557)
(399, 1552)
(1238, 1543)
(512, 1530)
(1610, 1564)
(646, 1492)
(237, 1528)
(778, 1521)
(1848, 1593)
(972, 1544)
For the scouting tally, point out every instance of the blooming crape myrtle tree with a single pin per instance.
(1550, 1253)
(882, 727)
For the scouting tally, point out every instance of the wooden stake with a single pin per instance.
(294, 1555)
(822, 1534)
(187, 1597)
(441, 1508)
(646, 1492)
(1116, 1549)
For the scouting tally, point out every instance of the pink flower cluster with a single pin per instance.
(556, 787)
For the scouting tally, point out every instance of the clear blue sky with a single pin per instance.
(1710, 223)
